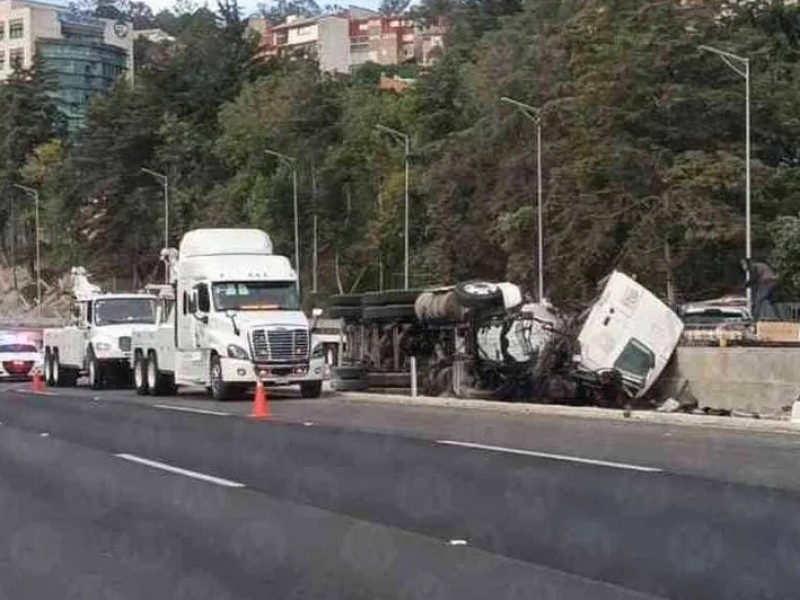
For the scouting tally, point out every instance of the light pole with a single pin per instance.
(292, 164)
(164, 180)
(535, 114)
(399, 136)
(741, 66)
(32, 192)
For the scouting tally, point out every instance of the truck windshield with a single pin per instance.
(256, 295)
(124, 310)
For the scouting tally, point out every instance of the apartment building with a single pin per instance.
(83, 55)
(343, 41)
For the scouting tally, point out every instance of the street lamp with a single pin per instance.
(741, 66)
(535, 114)
(32, 192)
(292, 164)
(399, 136)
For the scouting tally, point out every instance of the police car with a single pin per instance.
(19, 358)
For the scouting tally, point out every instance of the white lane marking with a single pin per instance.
(575, 459)
(44, 434)
(165, 467)
(457, 542)
(307, 423)
(199, 411)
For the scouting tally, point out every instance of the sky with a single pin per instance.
(250, 6)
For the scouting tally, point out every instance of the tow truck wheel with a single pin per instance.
(220, 390)
(95, 372)
(55, 370)
(311, 389)
(140, 375)
(48, 367)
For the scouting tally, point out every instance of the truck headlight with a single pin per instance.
(103, 346)
(235, 351)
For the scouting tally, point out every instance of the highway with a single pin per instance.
(106, 495)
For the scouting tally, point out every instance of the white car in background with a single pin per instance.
(19, 359)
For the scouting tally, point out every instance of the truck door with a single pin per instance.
(194, 353)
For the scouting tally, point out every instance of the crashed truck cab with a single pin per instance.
(629, 334)
(237, 318)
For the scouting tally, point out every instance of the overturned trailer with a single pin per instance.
(478, 339)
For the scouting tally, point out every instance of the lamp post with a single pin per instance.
(535, 114)
(399, 136)
(292, 164)
(164, 180)
(741, 66)
(35, 195)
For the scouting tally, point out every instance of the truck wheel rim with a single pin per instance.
(92, 372)
(216, 378)
(55, 368)
(151, 374)
(48, 370)
(137, 375)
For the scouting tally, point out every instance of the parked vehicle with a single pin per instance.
(97, 340)
(232, 316)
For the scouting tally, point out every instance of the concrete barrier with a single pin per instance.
(763, 380)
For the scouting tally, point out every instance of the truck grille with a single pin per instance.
(125, 344)
(280, 344)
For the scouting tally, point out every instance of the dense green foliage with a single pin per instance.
(643, 146)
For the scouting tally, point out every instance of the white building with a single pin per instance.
(83, 54)
(325, 38)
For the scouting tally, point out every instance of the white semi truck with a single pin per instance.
(232, 316)
(97, 340)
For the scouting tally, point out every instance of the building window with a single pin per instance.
(2, 32)
(2, 60)
(16, 56)
(15, 29)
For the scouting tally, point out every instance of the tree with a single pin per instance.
(394, 7)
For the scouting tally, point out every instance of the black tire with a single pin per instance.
(48, 368)
(345, 300)
(479, 294)
(390, 297)
(140, 376)
(62, 376)
(391, 312)
(311, 389)
(345, 312)
(96, 371)
(159, 383)
(220, 391)
(350, 385)
(349, 372)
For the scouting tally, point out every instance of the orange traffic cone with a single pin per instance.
(261, 403)
(38, 382)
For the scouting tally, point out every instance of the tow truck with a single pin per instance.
(97, 340)
(230, 317)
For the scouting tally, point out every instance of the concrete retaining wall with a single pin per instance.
(759, 379)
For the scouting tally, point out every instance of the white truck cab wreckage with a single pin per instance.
(478, 339)
(230, 316)
(97, 339)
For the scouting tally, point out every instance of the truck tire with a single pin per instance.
(390, 312)
(220, 390)
(311, 389)
(345, 300)
(345, 312)
(96, 371)
(48, 368)
(390, 297)
(62, 376)
(479, 294)
(159, 383)
(140, 375)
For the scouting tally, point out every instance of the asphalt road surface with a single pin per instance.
(104, 495)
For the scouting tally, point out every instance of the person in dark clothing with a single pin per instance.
(761, 277)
